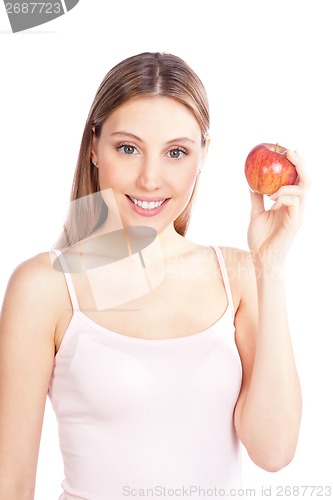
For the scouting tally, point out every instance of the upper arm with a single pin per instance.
(244, 288)
(27, 323)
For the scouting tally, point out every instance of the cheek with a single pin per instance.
(183, 182)
(110, 174)
(111, 177)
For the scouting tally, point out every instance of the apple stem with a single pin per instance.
(276, 146)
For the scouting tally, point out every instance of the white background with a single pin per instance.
(267, 67)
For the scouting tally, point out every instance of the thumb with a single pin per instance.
(257, 204)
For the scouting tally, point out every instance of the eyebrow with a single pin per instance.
(133, 136)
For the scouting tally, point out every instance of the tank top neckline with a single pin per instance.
(79, 314)
(98, 326)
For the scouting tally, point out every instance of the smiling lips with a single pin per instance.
(145, 207)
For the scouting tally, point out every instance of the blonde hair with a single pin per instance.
(146, 74)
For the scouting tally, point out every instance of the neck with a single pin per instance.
(169, 241)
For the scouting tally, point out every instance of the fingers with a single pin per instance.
(292, 198)
(302, 171)
(294, 190)
(286, 201)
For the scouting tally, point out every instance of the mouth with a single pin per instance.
(147, 206)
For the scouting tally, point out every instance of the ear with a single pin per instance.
(94, 144)
(205, 150)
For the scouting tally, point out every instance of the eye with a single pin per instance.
(177, 153)
(127, 149)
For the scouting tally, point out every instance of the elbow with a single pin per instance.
(273, 461)
(271, 446)
(276, 464)
(272, 452)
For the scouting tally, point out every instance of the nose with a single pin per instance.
(149, 176)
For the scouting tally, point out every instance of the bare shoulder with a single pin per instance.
(241, 271)
(36, 281)
(236, 256)
(239, 262)
(35, 271)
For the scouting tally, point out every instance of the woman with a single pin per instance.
(162, 355)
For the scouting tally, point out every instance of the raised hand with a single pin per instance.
(271, 232)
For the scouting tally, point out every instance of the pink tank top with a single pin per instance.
(143, 417)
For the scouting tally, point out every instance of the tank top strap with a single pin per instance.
(68, 278)
(225, 277)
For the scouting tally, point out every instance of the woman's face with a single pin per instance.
(149, 152)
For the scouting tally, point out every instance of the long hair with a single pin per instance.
(146, 74)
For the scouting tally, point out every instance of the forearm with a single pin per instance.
(271, 411)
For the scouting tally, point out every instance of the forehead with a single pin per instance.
(151, 116)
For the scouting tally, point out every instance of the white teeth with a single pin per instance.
(147, 205)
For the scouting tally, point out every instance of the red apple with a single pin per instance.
(267, 168)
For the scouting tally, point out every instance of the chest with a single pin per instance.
(189, 298)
